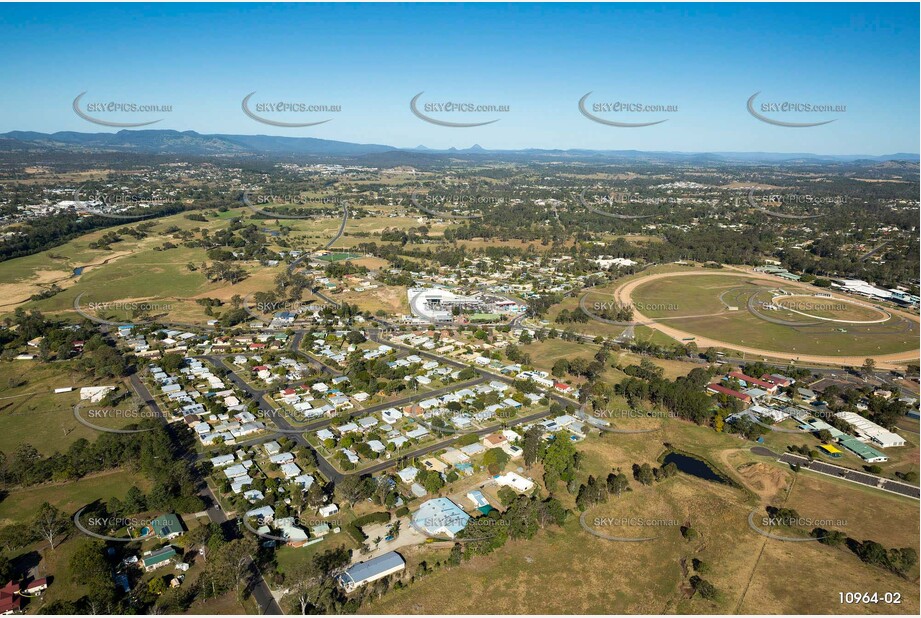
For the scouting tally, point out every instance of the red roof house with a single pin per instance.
(719, 388)
(10, 601)
(741, 377)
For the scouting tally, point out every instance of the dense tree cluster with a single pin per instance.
(155, 452)
(685, 397)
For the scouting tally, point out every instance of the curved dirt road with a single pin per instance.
(883, 361)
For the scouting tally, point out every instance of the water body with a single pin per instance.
(78, 271)
(693, 466)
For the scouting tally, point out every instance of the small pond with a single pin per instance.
(693, 466)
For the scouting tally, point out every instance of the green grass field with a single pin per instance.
(31, 413)
(22, 504)
(339, 257)
(698, 305)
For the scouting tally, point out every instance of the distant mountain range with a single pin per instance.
(196, 144)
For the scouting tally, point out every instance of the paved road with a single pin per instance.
(294, 346)
(854, 476)
(296, 432)
(905, 425)
(562, 400)
(290, 431)
(431, 448)
(215, 513)
(261, 592)
(398, 403)
(764, 452)
(263, 595)
(326, 468)
(141, 389)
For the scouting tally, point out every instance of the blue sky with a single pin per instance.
(538, 59)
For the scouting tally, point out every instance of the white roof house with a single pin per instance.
(418, 432)
(391, 415)
(365, 572)
(290, 470)
(304, 480)
(264, 514)
(222, 460)
(282, 458)
(329, 509)
(515, 481)
(239, 483)
(408, 474)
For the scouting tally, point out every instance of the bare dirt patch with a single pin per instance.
(764, 479)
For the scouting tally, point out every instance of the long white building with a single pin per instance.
(366, 572)
(868, 431)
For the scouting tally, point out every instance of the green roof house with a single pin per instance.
(167, 526)
(158, 558)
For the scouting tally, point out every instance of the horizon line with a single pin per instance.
(422, 147)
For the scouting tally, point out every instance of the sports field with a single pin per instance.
(769, 314)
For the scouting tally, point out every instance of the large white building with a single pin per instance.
(435, 304)
(862, 288)
(440, 517)
(606, 261)
(868, 431)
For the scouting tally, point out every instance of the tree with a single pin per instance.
(868, 366)
(618, 483)
(90, 568)
(315, 495)
(833, 538)
(302, 582)
(432, 481)
(689, 533)
(175, 600)
(157, 586)
(643, 474)
(559, 459)
(354, 488)
(507, 496)
(207, 538)
(560, 368)
(456, 555)
(51, 523)
(235, 558)
(872, 552)
(312, 586)
(6, 569)
(495, 460)
(171, 362)
(702, 587)
(532, 445)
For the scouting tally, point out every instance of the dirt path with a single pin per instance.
(623, 294)
(764, 543)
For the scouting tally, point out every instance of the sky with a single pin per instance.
(703, 60)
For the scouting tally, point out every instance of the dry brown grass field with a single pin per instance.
(570, 571)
